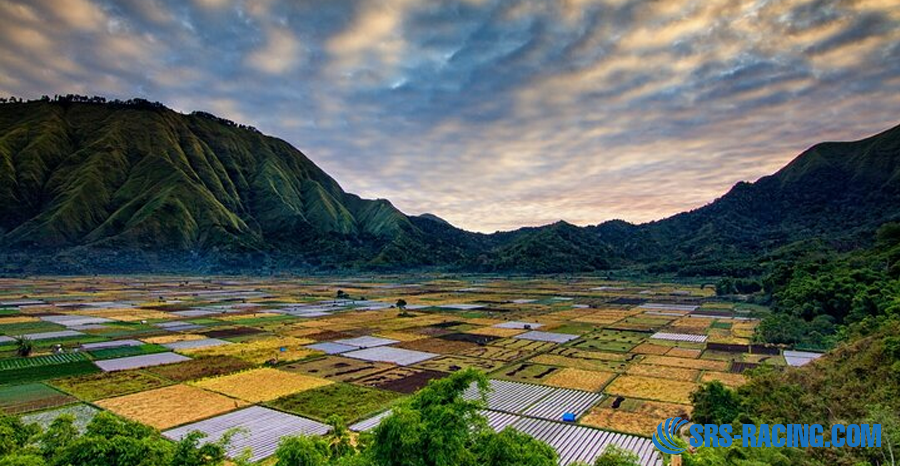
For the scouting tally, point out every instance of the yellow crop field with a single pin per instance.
(579, 379)
(650, 348)
(496, 332)
(400, 336)
(674, 373)
(651, 388)
(263, 384)
(704, 364)
(172, 338)
(575, 363)
(17, 320)
(126, 315)
(170, 406)
(260, 351)
(684, 352)
(637, 417)
(727, 378)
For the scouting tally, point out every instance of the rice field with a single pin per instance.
(263, 384)
(168, 407)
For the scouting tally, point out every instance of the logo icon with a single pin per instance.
(666, 431)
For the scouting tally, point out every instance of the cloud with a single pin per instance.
(280, 53)
(493, 114)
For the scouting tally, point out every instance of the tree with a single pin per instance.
(24, 346)
(435, 427)
(401, 304)
(302, 451)
(341, 295)
(513, 448)
(714, 403)
(615, 456)
(59, 435)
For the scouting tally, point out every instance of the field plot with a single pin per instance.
(496, 353)
(170, 406)
(261, 350)
(126, 351)
(46, 372)
(439, 345)
(727, 378)
(524, 345)
(400, 379)
(579, 363)
(259, 429)
(455, 363)
(526, 372)
(108, 384)
(263, 384)
(633, 416)
(703, 364)
(664, 372)
(22, 363)
(199, 368)
(578, 379)
(337, 368)
(19, 399)
(649, 388)
(610, 340)
(350, 402)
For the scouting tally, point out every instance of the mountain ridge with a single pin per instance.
(83, 177)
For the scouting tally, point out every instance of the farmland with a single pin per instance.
(181, 352)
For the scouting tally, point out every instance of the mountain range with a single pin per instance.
(89, 185)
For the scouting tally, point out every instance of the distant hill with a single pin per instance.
(91, 186)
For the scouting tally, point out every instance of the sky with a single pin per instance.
(492, 114)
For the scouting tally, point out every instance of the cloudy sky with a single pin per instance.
(492, 114)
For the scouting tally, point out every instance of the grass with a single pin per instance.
(21, 363)
(350, 402)
(94, 387)
(168, 407)
(263, 384)
(579, 363)
(38, 373)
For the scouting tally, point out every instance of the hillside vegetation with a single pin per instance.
(93, 186)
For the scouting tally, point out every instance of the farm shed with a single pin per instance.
(399, 356)
(134, 362)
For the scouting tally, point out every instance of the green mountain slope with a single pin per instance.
(141, 176)
(88, 185)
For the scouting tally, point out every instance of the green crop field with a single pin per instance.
(37, 373)
(350, 402)
(22, 363)
(125, 351)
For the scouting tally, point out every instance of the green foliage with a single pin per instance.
(302, 451)
(615, 456)
(24, 346)
(513, 448)
(714, 403)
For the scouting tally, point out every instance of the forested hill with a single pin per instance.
(88, 185)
